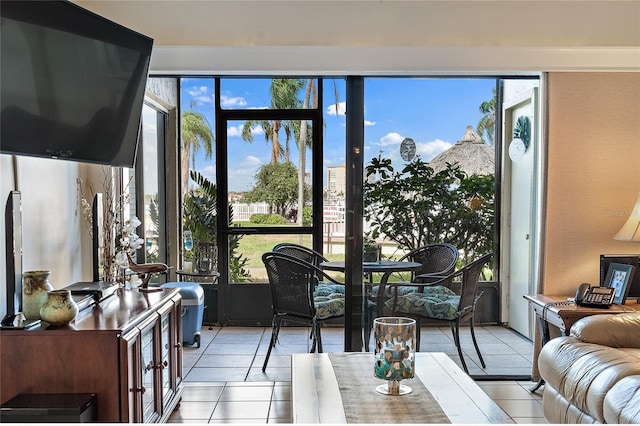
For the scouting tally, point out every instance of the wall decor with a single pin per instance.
(521, 139)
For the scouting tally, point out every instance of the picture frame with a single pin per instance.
(618, 276)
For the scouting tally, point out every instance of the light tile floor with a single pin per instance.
(224, 382)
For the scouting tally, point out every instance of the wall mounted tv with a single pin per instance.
(71, 83)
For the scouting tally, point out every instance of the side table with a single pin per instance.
(557, 311)
(208, 281)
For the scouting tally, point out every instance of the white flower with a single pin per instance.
(121, 259)
(129, 241)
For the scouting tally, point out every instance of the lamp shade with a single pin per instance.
(630, 231)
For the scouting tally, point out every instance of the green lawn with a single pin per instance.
(253, 246)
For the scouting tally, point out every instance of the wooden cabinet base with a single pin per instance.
(88, 357)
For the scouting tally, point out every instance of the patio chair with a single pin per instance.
(313, 257)
(301, 252)
(295, 298)
(438, 260)
(440, 303)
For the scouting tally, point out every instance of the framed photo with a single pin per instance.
(618, 277)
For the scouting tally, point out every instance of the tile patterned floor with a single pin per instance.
(224, 382)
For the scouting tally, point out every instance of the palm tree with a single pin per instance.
(310, 95)
(196, 134)
(284, 95)
(487, 123)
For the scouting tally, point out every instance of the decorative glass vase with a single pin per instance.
(59, 309)
(35, 285)
(394, 353)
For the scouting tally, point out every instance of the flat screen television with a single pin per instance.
(72, 83)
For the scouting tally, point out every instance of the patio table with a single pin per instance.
(384, 267)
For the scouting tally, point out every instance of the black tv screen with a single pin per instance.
(72, 83)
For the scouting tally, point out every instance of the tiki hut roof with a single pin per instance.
(471, 153)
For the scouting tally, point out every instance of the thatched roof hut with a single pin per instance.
(471, 153)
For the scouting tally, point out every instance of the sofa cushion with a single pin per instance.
(614, 330)
(583, 373)
(622, 403)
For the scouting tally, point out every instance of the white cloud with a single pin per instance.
(237, 131)
(200, 95)
(391, 138)
(251, 161)
(232, 101)
(340, 110)
(234, 131)
(242, 178)
(209, 172)
(428, 150)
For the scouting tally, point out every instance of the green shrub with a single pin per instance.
(258, 218)
(267, 219)
(275, 219)
(307, 216)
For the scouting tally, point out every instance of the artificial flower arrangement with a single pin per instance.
(128, 241)
(119, 236)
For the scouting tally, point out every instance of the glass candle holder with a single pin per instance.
(394, 353)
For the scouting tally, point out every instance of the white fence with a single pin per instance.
(242, 212)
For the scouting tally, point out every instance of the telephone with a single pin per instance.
(596, 297)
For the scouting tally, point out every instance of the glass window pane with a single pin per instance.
(334, 168)
(264, 158)
(430, 124)
(197, 132)
(153, 232)
(255, 93)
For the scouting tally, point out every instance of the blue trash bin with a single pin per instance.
(192, 310)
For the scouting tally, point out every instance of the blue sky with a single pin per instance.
(432, 112)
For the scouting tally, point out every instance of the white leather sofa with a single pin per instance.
(593, 375)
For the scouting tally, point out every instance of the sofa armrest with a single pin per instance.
(613, 330)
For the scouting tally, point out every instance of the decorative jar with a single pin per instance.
(394, 353)
(60, 308)
(35, 285)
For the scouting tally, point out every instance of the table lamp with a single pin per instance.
(630, 231)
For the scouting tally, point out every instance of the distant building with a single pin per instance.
(234, 197)
(336, 182)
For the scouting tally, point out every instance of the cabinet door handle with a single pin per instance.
(163, 365)
(178, 346)
(140, 389)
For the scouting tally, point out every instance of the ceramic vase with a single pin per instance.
(60, 308)
(35, 285)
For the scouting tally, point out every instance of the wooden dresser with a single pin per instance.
(126, 349)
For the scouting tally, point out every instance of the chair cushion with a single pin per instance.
(434, 302)
(331, 305)
(326, 288)
(389, 291)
